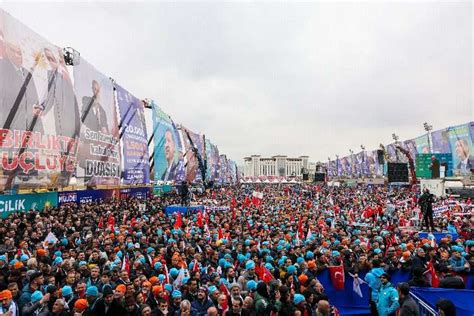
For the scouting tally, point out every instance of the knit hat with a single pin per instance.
(92, 291)
(250, 265)
(213, 289)
(36, 296)
(298, 299)
(251, 285)
(121, 288)
(157, 289)
(66, 290)
(157, 265)
(5, 294)
(81, 305)
(176, 294)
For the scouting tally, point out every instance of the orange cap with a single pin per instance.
(121, 288)
(153, 280)
(6, 294)
(146, 284)
(311, 264)
(303, 278)
(81, 305)
(406, 254)
(41, 252)
(18, 265)
(157, 289)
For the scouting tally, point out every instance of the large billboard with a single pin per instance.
(27, 202)
(440, 141)
(462, 149)
(40, 116)
(168, 149)
(136, 165)
(191, 150)
(99, 153)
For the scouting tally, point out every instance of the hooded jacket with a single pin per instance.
(387, 302)
(373, 280)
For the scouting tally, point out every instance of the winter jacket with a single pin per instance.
(373, 280)
(261, 304)
(25, 296)
(409, 307)
(35, 309)
(457, 264)
(201, 309)
(387, 300)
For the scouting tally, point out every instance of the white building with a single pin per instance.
(280, 166)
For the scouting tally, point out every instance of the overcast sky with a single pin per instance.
(280, 78)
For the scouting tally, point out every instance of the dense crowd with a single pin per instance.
(242, 255)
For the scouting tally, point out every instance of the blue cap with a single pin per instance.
(161, 277)
(82, 263)
(251, 285)
(36, 296)
(64, 242)
(169, 287)
(57, 261)
(309, 255)
(3, 258)
(12, 262)
(58, 254)
(185, 281)
(174, 272)
(150, 250)
(92, 291)
(299, 260)
(157, 265)
(176, 294)
(24, 257)
(268, 266)
(250, 265)
(213, 289)
(66, 290)
(241, 258)
(377, 251)
(291, 270)
(335, 253)
(130, 245)
(298, 299)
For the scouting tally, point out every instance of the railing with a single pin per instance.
(425, 309)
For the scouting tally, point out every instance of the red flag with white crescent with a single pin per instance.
(337, 276)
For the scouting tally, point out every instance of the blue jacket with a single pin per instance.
(201, 309)
(25, 297)
(457, 265)
(387, 300)
(373, 280)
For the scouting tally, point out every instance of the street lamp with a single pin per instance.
(352, 162)
(428, 128)
(363, 169)
(337, 165)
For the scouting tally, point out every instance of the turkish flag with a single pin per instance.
(220, 235)
(300, 229)
(247, 201)
(179, 221)
(233, 203)
(337, 276)
(199, 219)
(432, 275)
(101, 223)
(111, 222)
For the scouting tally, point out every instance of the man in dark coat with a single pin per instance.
(408, 306)
(107, 305)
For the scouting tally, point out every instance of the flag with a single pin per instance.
(50, 238)
(256, 201)
(167, 278)
(432, 276)
(183, 273)
(224, 290)
(199, 219)
(179, 221)
(300, 229)
(111, 222)
(356, 285)
(219, 233)
(337, 276)
(233, 203)
(126, 264)
(264, 274)
(101, 223)
(247, 201)
(196, 266)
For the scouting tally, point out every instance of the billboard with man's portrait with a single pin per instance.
(99, 154)
(136, 165)
(40, 116)
(168, 149)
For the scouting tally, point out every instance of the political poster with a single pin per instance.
(168, 148)
(27, 202)
(191, 153)
(136, 165)
(462, 149)
(410, 145)
(440, 141)
(392, 152)
(99, 154)
(40, 116)
(422, 145)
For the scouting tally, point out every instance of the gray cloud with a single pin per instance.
(280, 78)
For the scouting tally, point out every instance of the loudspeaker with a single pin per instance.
(305, 176)
(380, 157)
(397, 172)
(319, 177)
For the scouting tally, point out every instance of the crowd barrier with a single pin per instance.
(38, 201)
(438, 236)
(349, 303)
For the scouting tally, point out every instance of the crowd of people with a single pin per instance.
(242, 255)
